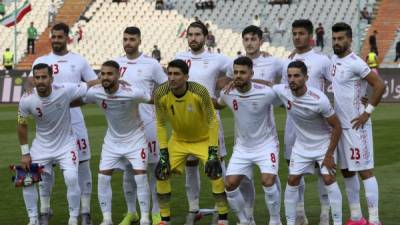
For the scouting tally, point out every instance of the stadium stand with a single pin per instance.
(391, 54)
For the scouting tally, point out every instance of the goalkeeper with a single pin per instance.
(189, 109)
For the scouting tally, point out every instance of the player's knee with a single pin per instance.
(218, 186)
(138, 172)
(71, 179)
(328, 179)
(231, 185)
(347, 174)
(365, 174)
(268, 180)
(294, 180)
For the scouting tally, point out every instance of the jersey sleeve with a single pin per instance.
(212, 121)
(361, 69)
(326, 108)
(161, 118)
(76, 91)
(230, 70)
(284, 79)
(158, 74)
(23, 111)
(140, 95)
(226, 65)
(327, 69)
(89, 97)
(87, 72)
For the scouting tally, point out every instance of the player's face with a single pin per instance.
(251, 43)
(296, 79)
(340, 42)
(58, 40)
(176, 78)
(301, 38)
(241, 75)
(109, 77)
(195, 38)
(42, 80)
(131, 43)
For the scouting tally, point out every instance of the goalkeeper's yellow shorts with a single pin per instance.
(179, 151)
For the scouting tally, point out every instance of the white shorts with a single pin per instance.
(355, 149)
(82, 140)
(153, 144)
(306, 165)
(114, 156)
(242, 161)
(67, 158)
(290, 137)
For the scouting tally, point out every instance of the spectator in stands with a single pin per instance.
(320, 32)
(156, 53)
(211, 40)
(372, 42)
(169, 5)
(280, 27)
(397, 51)
(8, 59)
(79, 33)
(218, 51)
(196, 19)
(266, 35)
(366, 15)
(32, 35)
(199, 4)
(52, 13)
(256, 21)
(372, 61)
(2, 8)
(159, 4)
(238, 54)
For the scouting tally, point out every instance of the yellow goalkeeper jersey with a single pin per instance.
(191, 116)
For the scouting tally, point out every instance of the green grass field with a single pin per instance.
(386, 123)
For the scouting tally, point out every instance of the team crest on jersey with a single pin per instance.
(254, 105)
(190, 108)
(205, 64)
(73, 68)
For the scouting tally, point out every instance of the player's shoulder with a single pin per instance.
(47, 58)
(316, 94)
(183, 55)
(197, 88)
(145, 59)
(280, 87)
(27, 97)
(162, 90)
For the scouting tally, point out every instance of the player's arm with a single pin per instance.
(329, 161)
(264, 82)
(22, 132)
(222, 82)
(378, 89)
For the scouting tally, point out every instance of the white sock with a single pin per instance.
(273, 201)
(335, 200)
(248, 191)
(353, 195)
(323, 197)
(73, 192)
(291, 199)
(192, 186)
(45, 187)
(236, 202)
(129, 186)
(85, 183)
(152, 183)
(300, 211)
(372, 195)
(104, 194)
(143, 195)
(30, 198)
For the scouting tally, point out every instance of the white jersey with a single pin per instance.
(122, 112)
(308, 113)
(349, 86)
(254, 125)
(144, 72)
(70, 68)
(318, 67)
(265, 68)
(52, 117)
(206, 67)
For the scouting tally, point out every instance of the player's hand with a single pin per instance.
(265, 54)
(26, 161)
(229, 87)
(364, 100)
(329, 163)
(213, 167)
(360, 120)
(163, 168)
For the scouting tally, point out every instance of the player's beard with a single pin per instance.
(58, 47)
(338, 50)
(197, 46)
(130, 50)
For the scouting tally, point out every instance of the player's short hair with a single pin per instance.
(199, 24)
(132, 31)
(179, 63)
(299, 65)
(61, 26)
(243, 61)
(304, 23)
(338, 27)
(111, 63)
(40, 66)
(252, 30)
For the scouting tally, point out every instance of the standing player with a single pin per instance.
(72, 68)
(204, 68)
(189, 109)
(256, 141)
(317, 135)
(54, 142)
(318, 73)
(125, 138)
(139, 69)
(350, 77)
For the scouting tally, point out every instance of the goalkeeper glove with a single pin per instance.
(213, 167)
(163, 168)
